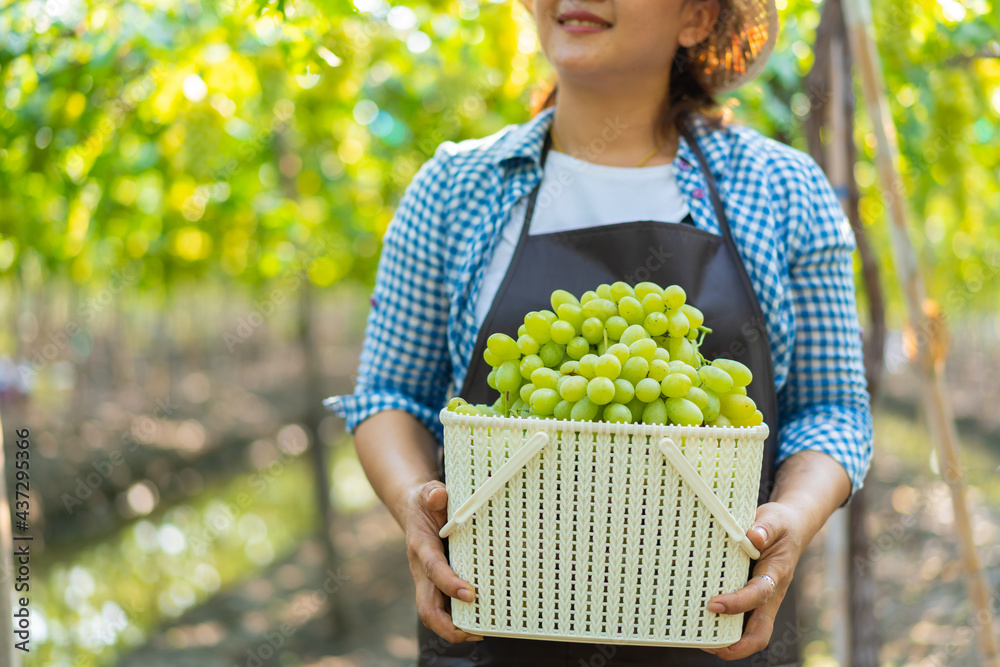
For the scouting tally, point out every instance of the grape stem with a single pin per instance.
(704, 332)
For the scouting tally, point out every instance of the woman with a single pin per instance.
(624, 177)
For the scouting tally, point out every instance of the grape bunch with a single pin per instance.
(616, 354)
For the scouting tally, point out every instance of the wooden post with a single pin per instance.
(928, 332)
(8, 655)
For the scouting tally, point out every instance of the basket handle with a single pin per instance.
(707, 496)
(520, 458)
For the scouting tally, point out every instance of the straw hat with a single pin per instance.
(739, 45)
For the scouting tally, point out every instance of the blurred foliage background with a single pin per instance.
(192, 197)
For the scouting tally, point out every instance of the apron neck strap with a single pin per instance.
(713, 190)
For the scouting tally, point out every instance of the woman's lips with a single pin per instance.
(578, 21)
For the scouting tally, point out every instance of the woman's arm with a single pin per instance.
(397, 453)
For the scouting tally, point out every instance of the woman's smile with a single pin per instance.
(577, 21)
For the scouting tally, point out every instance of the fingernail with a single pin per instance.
(475, 638)
(760, 531)
(716, 607)
(466, 595)
(710, 651)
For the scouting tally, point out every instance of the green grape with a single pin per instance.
(652, 303)
(636, 407)
(545, 378)
(644, 347)
(544, 401)
(658, 370)
(601, 348)
(699, 397)
(492, 359)
(634, 369)
(508, 376)
(633, 333)
(563, 410)
(683, 412)
(655, 412)
(601, 390)
(645, 288)
(712, 406)
(721, 420)
(631, 310)
(562, 332)
(677, 324)
(661, 353)
(516, 406)
(503, 346)
(577, 347)
(522, 330)
(616, 326)
(656, 324)
(468, 410)
(538, 327)
(498, 405)
(604, 291)
(647, 389)
(620, 351)
(584, 410)
(572, 314)
(549, 316)
(491, 379)
(681, 349)
(757, 419)
(593, 330)
(602, 309)
(552, 353)
(618, 414)
(530, 364)
(736, 407)
(589, 295)
(695, 317)
(675, 385)
(608, 366)
(561, 296)
(716, 379)
(455, 402)
(693, 334)
(574, 388)
(526, 391)
(739, 390)
(624, 391)
(678, 366)
(620, 290)
(740, 374)
(571, 367)
(528, 345)
(588, 365)
(674, 297)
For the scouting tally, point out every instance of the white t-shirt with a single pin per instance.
(576, 194)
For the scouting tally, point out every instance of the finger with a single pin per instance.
(755, 638)
(755, 594)
(767, 528)
(435, 568)
(430, 607)
(435, 497)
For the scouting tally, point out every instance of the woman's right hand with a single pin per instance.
(426, 514)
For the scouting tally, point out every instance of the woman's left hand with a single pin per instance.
(779, 532)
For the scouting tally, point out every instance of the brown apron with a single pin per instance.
(710, 270)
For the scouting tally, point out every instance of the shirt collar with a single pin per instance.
(525, 141)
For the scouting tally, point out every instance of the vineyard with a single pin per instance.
(192, 201)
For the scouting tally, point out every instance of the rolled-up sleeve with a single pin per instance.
(824, 404)
(404, 359)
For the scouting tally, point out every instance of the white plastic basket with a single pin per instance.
(599, 532)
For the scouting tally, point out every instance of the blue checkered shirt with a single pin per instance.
(785, 220)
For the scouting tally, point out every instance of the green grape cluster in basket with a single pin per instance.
(616, 354)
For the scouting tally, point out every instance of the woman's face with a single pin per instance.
(624, 38)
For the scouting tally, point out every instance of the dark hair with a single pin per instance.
(688, 94)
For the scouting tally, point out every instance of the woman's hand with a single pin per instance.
(780, 534)
(426, 513)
